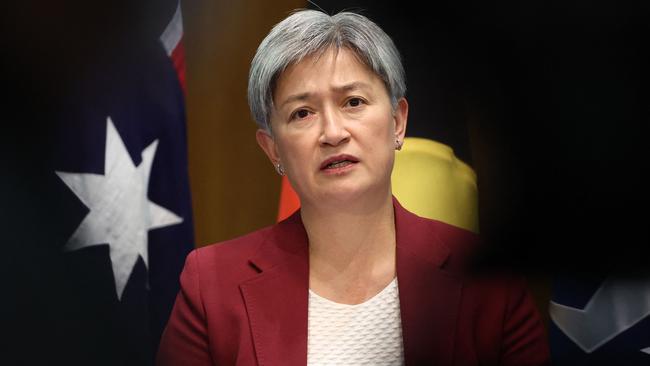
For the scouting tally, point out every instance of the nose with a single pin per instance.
(333, 129)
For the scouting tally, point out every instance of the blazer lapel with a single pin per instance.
(277, 299)
(429, 296)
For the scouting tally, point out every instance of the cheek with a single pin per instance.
(382, 133)
(296, 154)
(380, 144)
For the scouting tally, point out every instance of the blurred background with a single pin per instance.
(544, 100)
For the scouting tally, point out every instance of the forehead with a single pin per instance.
(330, 69)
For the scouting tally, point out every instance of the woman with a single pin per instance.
(352, 278)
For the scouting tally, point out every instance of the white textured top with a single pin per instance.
(369, 333)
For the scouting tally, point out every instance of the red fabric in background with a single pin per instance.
(289, 201)
(178, 57)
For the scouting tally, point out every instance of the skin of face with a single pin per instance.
(328, 107)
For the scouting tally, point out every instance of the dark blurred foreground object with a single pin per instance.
(544, 101)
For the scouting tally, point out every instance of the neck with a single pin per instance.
(354, 244)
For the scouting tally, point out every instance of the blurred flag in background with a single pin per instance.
(107, 217)
(600, 320)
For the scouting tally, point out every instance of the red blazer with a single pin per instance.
(244, 302)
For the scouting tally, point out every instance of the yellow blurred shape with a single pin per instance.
(430, 181)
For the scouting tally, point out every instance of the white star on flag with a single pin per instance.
(120, 211)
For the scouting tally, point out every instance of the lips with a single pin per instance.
(338, 161)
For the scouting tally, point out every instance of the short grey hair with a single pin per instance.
(308, 32)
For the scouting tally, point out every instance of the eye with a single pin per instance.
(300, 114)
(355, 102)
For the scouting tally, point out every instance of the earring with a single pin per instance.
(279, 168)
(398, 144)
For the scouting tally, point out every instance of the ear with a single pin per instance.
(266, 142)
(401, 116)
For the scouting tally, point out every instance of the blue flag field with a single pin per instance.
(97, 199)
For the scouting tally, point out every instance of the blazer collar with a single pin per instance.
(414, 235)
(417, 236)
(277, 299)
(429, 296)
(286, 241)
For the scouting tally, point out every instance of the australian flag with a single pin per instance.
(600, 320)
(98, 196)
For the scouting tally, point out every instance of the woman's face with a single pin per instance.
(334, 130)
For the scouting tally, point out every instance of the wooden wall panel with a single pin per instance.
(234, 188)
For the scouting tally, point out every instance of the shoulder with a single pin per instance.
(449, 246)
(234, 249)
(496, 303)
(410, 221)
(230, 258)
(450, 233)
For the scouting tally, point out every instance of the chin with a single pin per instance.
(348, 193)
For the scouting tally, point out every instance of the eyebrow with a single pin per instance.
(352, 86)
(357, 85)
(295, 97)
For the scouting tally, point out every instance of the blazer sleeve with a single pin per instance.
(524, 338)
(185, 340)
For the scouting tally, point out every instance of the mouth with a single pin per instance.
(338, 162)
